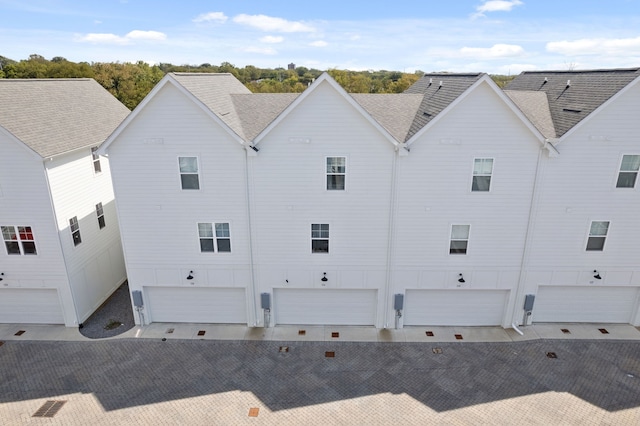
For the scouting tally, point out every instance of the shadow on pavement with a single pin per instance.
(129, 372)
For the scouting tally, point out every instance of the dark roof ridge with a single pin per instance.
(200, 74)
(47, 79)
(597, 70)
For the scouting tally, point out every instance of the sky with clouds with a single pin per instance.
(494, 36)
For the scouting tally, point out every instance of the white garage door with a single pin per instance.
(203, 305)
(584, 304)
(455, 307)
(31, 306)
(325, 307)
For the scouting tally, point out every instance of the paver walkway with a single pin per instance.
(213, 382)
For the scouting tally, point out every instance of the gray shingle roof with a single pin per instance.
(54, 116)
(394, 112)
(257, 110)
(214, 91)
(436, 96)
(535, 107)
(570, 104)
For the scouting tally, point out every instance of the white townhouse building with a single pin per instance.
(62, 255)
(431, 207)
(583, 255)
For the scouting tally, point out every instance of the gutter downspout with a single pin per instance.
(391, 237)
(530, 227)
(254, 306)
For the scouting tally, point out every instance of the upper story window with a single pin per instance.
(96, 160)
(319, 238)
(628, 171)
(189, 172)
(482, 170)
(100, 215)
(211, 242)
(459, 239)
(336, 173)
(597, 235)
(21, 242)
(75, 230)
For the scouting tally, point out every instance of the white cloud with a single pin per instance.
(261, 50)
(319, 43)
(596, 46)
(495, 51)
(146, 35)
(496, 6)
(269, 23)
(217, 17)
(272, 39)
(107, 38)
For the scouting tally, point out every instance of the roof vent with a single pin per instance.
(430, 81)
(568, 83)
(546, 80)
(440, 85)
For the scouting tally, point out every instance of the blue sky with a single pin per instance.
(496, 36)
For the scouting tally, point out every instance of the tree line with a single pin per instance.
(131, 82)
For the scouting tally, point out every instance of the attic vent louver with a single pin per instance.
(571, 110)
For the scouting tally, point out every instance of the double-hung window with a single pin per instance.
(482, 170)
(75, 230)
(459, 239)
(597, 235)
(214, 237)
(189, 178)
(100, 215)
(96, 160)
(319, 238)
(336, 173)
(21, 242)
(628, 171)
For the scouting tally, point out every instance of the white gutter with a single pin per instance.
(391, 230)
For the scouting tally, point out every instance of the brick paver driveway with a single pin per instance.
(205, 382)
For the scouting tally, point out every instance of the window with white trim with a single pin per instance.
(336, 173)
(100, 215)
(482, 170)
(21, 242)
(319, 238)
(597, 235)
(459, 239)
(189, 178)
(628, 174)
(214, 237)
(75, 230)
(96, 160)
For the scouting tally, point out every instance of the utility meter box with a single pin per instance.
(398, 302)
(528, 302)
(265, 300)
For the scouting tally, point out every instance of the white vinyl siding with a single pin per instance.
(455, 307)
(197, 304)
(585, 304)
(325, 306)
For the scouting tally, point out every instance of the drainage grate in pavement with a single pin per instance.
(565, 330)
(437, 350)
(330, 354)
(253, 412)
(335, 334)
(19, 333)
(283, 349)
(49, 409)
(551, 355)
(429, 333)
(458, 336)
(170, 330)
(201, 332)
(302, 332)
(603, 330)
